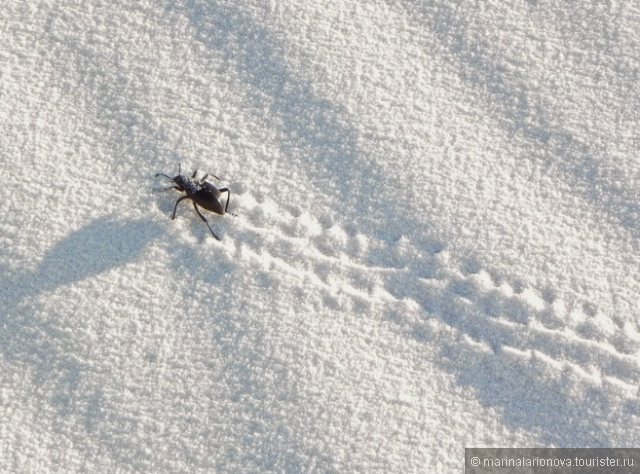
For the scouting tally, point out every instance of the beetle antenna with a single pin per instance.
(168, 177)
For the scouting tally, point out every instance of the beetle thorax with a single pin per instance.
(190, 185)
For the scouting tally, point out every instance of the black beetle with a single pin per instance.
(201, 193)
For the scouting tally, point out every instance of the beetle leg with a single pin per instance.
(176, 208)
(226, 190)
(194, 174)
(205, 220)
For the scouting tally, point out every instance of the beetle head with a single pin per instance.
(180, 181)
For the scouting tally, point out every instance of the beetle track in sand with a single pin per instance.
(498, 316)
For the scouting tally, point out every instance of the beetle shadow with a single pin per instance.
(96, 248)
(28, 335)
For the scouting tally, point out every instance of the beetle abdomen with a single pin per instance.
(209, 201)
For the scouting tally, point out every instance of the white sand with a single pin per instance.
(436, 243)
